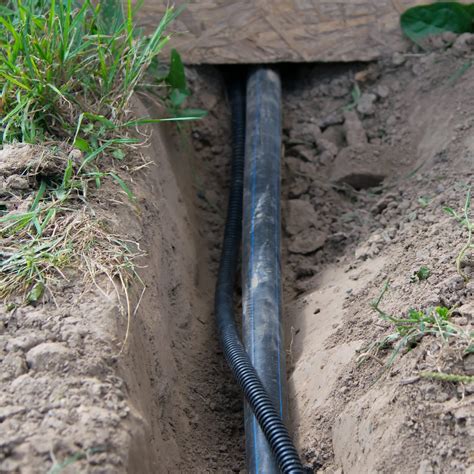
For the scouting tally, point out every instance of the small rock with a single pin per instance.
(298, 187)
(382, 91)
(48, 355)
(10, 410)
(466, 310)
(453, 283)
(362, 167)
(334, 118)
(468, 363)
(398, 59)
(300, 215)
(13, 366)
(460, 321)
(76, 156)
(335, 135)
(391, 121)
(24, 342)
(365, 105)
(371, 73)
(307, 241)
(449, 37)
(464, 43)
(382, 203)
(17, 182)
(355, 133)
(327, 146)
(425, 467)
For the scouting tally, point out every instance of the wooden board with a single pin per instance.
(266, 31)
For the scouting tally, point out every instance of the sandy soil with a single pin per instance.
(363, 195)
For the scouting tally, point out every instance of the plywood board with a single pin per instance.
(266, 31)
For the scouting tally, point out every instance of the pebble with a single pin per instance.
(466, 310)
(17, 182)
(354, 130)
(299, 215)
(382, 91)
(464, 43)
(398, 59)
(48, 355)
(365, 105)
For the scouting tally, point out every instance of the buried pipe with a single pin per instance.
(269, 446)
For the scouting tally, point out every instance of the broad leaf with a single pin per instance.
(427, 20)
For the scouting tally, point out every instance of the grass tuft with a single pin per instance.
(408, 330)
(68, 71)
(464, 218)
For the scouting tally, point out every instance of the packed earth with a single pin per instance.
(378, 162)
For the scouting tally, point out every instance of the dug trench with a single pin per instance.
(372, 153)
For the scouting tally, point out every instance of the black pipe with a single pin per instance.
(261, 404)
(262, 328)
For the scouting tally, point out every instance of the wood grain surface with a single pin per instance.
(266, 31)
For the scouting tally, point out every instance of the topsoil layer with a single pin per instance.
(365, 180)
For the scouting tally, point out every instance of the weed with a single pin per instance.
(59, 466)
(67, 73)
(411, 328)
(423, 201)
(447, 377)
(459, 73)
(355, 94)
(464, 219)
(421, 274)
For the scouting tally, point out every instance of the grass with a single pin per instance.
(464, 218)
(409, 329)
(67, 73)
(355, 95)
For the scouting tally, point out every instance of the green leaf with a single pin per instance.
(423, 201)
(118, 154)
(422, 274)
(67, 174)
(192, 114)
(450, 211)
(35, 293)
(176, 77)
(426, 20)
(38, 196)
(122, 184)
(111, 16)
(82, 145)
(177, 97)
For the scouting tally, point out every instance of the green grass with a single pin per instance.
(67, 73)
(408, 330)
(464, 218)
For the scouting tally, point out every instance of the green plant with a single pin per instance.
(422, 21)
(408, 330)
(179, 92)
(423, 201)
(421, 274)
(465, 220)
(355, 94)
(67, 72)
(441, 376)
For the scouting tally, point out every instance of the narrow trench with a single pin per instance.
(194, 407)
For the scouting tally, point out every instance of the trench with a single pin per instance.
(193, 407)
(181, 381)
(176, 374)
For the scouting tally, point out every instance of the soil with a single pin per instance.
(364, 186)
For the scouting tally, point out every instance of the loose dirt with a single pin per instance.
(364, 186)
